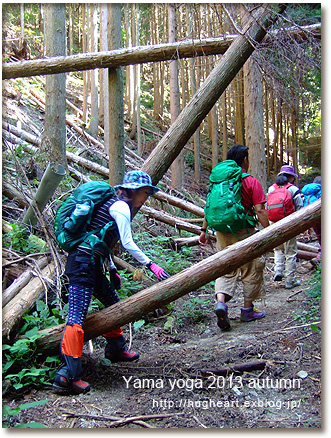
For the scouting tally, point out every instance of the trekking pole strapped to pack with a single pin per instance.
(75, 214)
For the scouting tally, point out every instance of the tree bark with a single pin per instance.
(306, 247)
(254, 122)
(116, 104)
(177, 166)
(94, 120)
(190, 279)
(204, 99)
(305, 255)
(54, 137)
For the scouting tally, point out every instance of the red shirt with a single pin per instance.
(252, 192)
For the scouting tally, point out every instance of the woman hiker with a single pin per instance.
(86, 278)
(286, 253)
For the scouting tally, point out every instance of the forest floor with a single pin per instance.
(171, 380)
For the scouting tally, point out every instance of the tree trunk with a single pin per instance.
(225, 126)
(254, 123)
(54, 137)
(177, 168)
(192, 115)
(116, 104)
(104, 75)
(94, 121)
(161, 294)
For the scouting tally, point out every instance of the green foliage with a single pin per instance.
(8, 413)
(42, 317)
(159, 250)
(138, 324)
(24, 351)
(192, 309)
(21, 240)
(312, 313)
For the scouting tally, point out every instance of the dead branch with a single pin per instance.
(238, 368)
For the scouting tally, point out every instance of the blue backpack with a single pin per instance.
(311, 193)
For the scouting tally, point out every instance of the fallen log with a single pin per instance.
(306, 247)
(115, 58)
(135, 55)
(99, 169)
(237, 368)
(161, 294)
(180, 203)
(11, 291)
(188, 241)
(12, 193)
(306, 255)
(168, 219)
(24, 300)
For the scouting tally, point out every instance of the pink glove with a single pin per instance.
(159, 272)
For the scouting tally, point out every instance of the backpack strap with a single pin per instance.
(94, 240)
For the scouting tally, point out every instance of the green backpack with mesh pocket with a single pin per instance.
(224, 211)
(75, 213)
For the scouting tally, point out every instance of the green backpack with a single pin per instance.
(224, 211)
(75, 213)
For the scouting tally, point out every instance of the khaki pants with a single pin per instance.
(250, 274)
(286, 258)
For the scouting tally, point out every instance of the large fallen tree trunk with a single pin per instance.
(209, 92)
(190, 279)
(116, 58)
(135, 55)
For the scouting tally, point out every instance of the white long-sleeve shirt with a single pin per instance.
(120, 211)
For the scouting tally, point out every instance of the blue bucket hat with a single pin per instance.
(136, 179)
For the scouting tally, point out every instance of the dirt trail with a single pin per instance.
(168, 377)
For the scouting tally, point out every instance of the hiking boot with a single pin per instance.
(251, 314)
(278, 276)
(223, 322)
(292, 283)
(64, 386)
(117, 351)
(122, 356)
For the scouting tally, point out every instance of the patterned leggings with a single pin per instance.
(86, 279)
(79, 301)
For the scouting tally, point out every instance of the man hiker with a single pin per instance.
(251, 273)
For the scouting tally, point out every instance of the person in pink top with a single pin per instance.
(251, 273)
